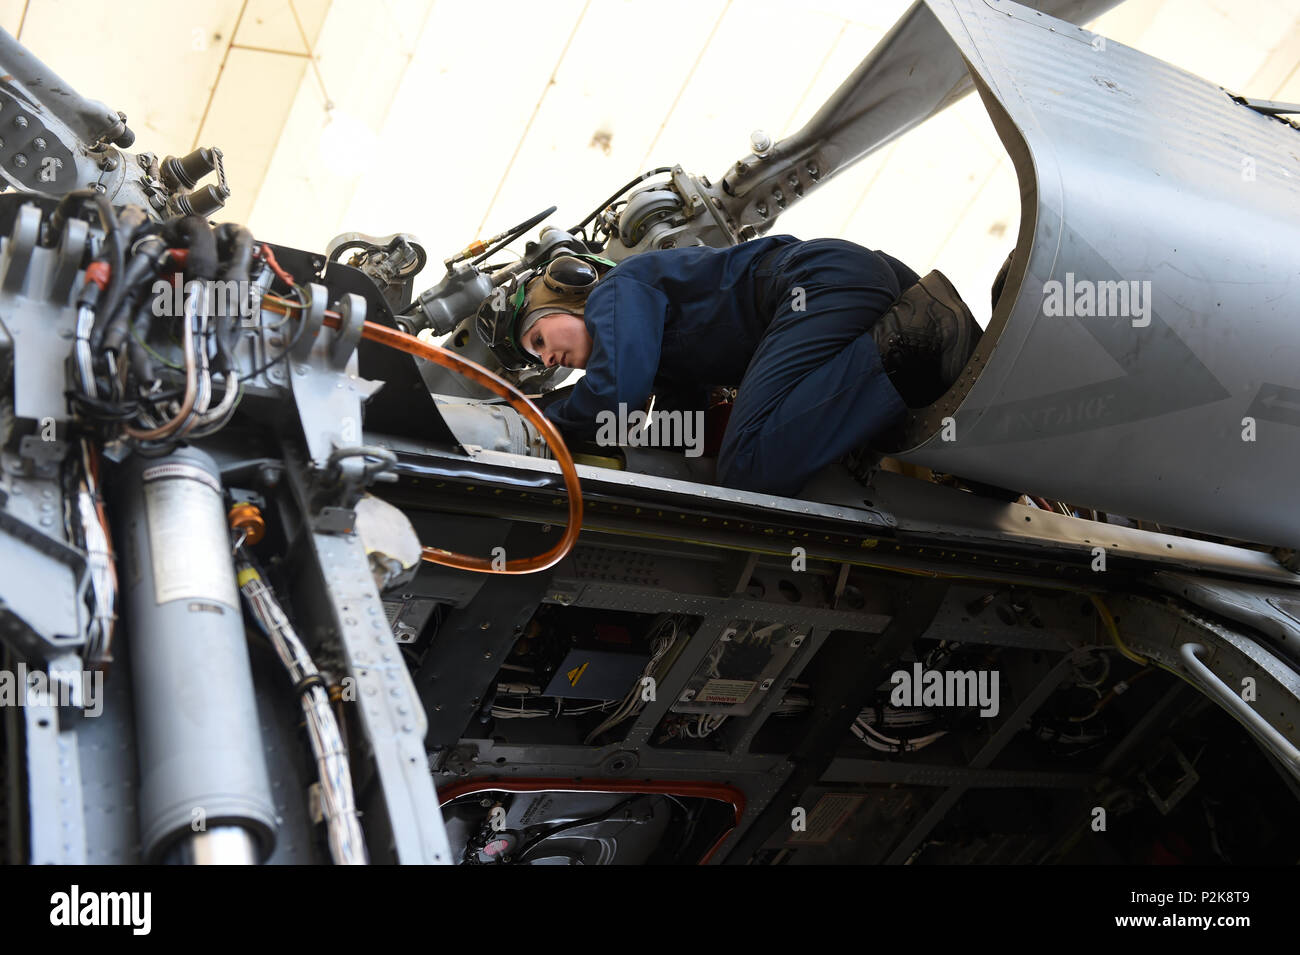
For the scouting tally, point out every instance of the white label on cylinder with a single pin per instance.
(188, 536)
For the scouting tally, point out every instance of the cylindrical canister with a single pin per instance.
(202, 762)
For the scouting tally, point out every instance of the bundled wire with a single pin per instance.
(94, 535)
(338, 803)
(117, 384)
(705, 724)
(524, 712)
(865, 728)
(664, 635)
(195, 304)
(691, 726)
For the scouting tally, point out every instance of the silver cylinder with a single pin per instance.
(224, 845)
(202, 762)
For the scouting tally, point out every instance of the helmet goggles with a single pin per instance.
(562, 284)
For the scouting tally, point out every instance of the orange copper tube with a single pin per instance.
(390, 337)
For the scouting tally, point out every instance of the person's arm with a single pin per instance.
(626, 321)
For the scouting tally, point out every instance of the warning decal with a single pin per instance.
(830, 814)
(726, 691)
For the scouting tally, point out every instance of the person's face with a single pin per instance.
(560, 339)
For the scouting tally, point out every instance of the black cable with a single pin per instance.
(641, 178)
(513, 234)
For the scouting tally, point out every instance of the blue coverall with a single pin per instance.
(811, 386)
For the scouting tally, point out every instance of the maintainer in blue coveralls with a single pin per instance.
(828, 344)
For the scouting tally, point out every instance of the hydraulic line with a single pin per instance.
(192, 308)
(391, 338)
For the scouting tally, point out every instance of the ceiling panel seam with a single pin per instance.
(529, 125)
(685, 83)
(212, 93)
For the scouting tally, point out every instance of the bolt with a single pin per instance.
(20, 160)
(38, 144)
(20, 122)
(761, 208)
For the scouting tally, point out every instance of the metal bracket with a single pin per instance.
(352, 316)
(76, 235)
(18, 250)
(312, 319)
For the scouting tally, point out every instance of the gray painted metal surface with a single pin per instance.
(56, 814)
(389, 708)
(1132, 171)
(905, 509)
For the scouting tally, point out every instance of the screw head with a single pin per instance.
(20, 160)
(20, 122)
(38, 144)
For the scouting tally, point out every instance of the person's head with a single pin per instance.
(540, 320)
(557, 338)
